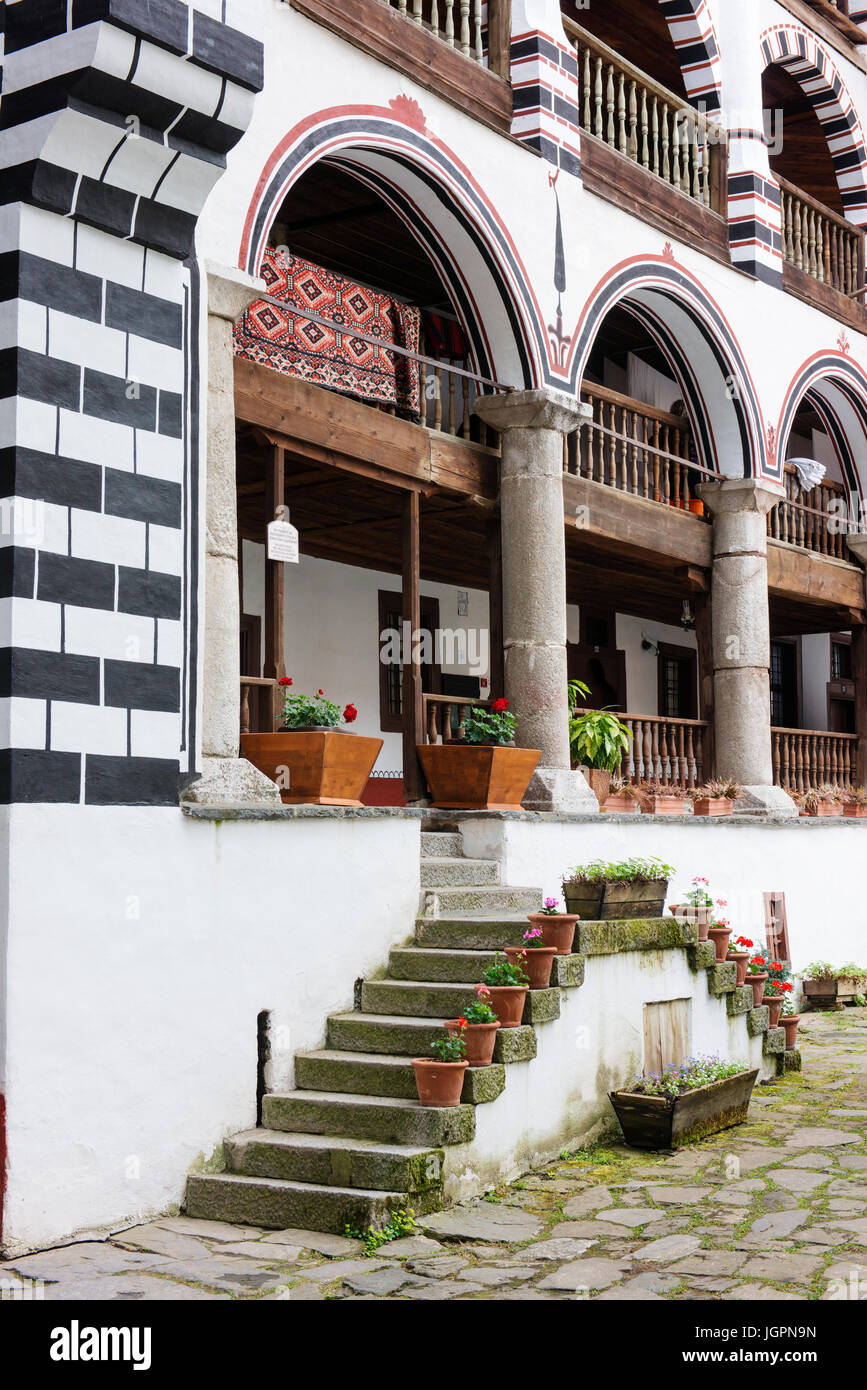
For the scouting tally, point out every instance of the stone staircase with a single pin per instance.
(352, 1143)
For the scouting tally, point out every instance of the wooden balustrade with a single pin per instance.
(667, 750)
(644, 121)
(819, 524)
(259, 704)
(806, 758)
(635, 448)
(820, 242)
(444, 717)
(457, 22)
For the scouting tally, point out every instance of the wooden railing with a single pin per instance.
(665, 750)
(258, 704)
(818, 524)
(806, 758)
(447, 399)
(635, 448)
(461, 24)
(645, 122)
(444, 717)
(820, 242)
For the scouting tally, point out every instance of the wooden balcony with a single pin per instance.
(816, 525)
(441, 44)
(444, 716)
(823, 256)
(666, 750)
(647, 149)
(806, 758)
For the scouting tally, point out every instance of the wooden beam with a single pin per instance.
(814, 580)
(636, 527)
(495, 609)
(703, 634)
(411, 691)
(275, 593)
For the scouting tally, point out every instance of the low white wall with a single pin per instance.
(560, 1098)
(142, 947)
(817, 864)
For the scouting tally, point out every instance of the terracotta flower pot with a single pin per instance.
(325, 767)
(477, 776)
(854, 811)
(758, 984)
(664, 806)
(824, 808)
(775, 1004)
(790, 1023)
(599, 780)
(688, 912)
(439, 1083)
(720, 938)
(537, 965)
(479, 1040)
(740, 959)
(557, 930)
(507, 1002)
(712, 806)
(620, 804)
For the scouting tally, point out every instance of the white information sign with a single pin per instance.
(282, 542)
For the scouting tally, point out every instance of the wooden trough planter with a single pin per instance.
(616, 902)
(477, 776)
(323, 767)
(655, 1122)
(833, 994)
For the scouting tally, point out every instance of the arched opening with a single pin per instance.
(677, 50)
(354, 407)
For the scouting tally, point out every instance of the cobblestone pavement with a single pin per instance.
(775, 1209)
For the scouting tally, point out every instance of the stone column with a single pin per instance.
(532, 426)
(742, 640)
(225, 777)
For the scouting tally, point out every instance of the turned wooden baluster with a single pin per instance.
(598, 127)
(621, 113)
(465, 28)
(609, 104)
(477, 26)
(645, 152)
(633, 120)
(588, 115)
(655, 135)
(438, 398)
(450, 22)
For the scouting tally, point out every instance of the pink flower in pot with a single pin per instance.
(719, 934)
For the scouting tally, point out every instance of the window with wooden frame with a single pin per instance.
(841, 686)
(677, 674)
(391, 673)
(784, 685)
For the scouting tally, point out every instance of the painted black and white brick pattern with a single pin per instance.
(99, 389)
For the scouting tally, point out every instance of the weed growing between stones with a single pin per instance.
(400, 1223)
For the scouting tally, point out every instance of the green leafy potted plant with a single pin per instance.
(598, 741)
(440, 1080)
(600, 891)
(311, 759)
(684, 1103)
(508, 985)
(535, 958)
(715, 798)
(623, 797)
(557, 928)
(482, 770)
(757, 974)
(664, 799)
(478, 1026)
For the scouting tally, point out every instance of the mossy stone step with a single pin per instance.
(367, 1074)
(451, 967)
(640, 934)
(276, 1205)
(471, 933)
(459, 873)
(386, 1119)
(333, 1161)
(488, 898)
(442, 844)
(430, 999)
(410, 1037)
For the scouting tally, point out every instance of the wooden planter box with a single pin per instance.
(833, 993)
(655, 1122)
(664, 806)
(326, 767)
(615, 902)
(477, 776)
(712, 806)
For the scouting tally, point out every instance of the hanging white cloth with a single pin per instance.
(810, 472)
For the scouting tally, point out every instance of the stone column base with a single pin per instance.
(765, 801)
(227, 781)
(558, 789)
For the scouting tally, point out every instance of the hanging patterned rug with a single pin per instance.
(338, 360)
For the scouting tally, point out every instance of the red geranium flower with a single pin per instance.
(500, 705)
(462, 1022)
(285, 680)
(350, 714)
(320, 692)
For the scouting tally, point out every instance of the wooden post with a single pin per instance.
(275, 658)
(859, 678)
(499, 36)
(702, 605)
(411, 690)
(495, 609)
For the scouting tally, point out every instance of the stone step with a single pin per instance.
(410, 1037)
(333, 1161)
(458, 967)
(465, 932)
(441, 844)
(276, 1204)
(367, 1074)
(384, 1118)
(430, 999)
(486, 899)
(459, 873)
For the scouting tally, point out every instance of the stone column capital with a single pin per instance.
(857, 543)
(230, 290)
(545, 409)
(730, 495)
